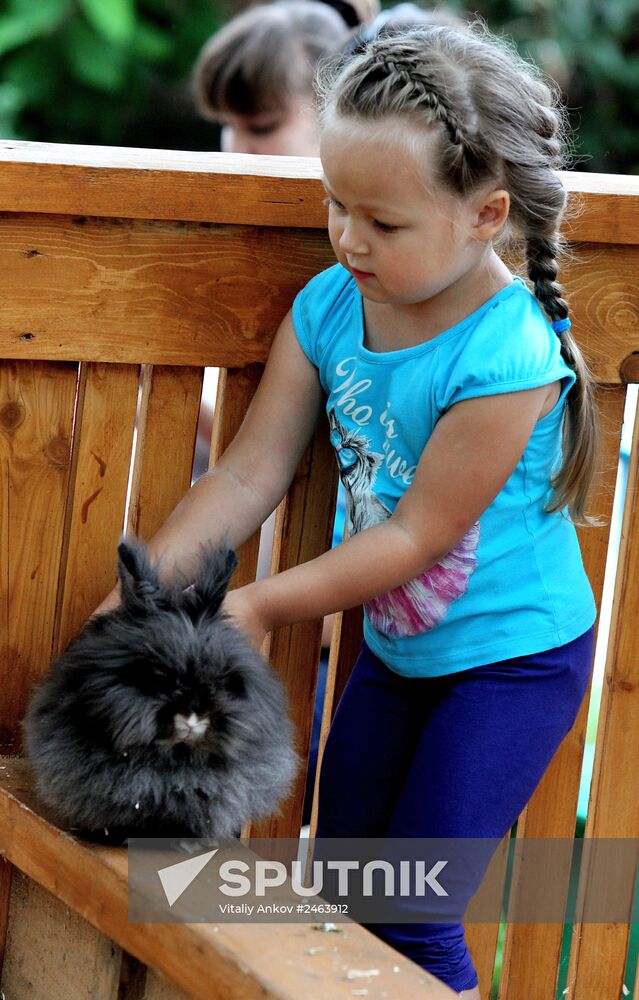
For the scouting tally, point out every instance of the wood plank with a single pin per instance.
(52, 952)
(36, 414)
(598, 955)
(602, 208)
(350, 641)
(6, 874)
(207, 962)
(531, 952)
(165, 443)
(238, 188)
(346, 642)
(162, 184)
(195, 295)
(603, 294)
(236, 388)
(143, 292)
(303, 530)
(102, 442)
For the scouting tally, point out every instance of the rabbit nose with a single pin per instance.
(190, 729)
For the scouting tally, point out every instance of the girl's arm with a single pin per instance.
(472, 452)
(234, 498)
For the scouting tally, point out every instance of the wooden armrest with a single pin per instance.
(240, 960)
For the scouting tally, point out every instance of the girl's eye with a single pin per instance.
(258, 130)
(384, 227)
(332, 203)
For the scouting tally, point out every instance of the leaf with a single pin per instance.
(150, 44)
(35, 11)
(23, 26)
(35, 71)
(11, 100)
(114, 19)
(94, 61)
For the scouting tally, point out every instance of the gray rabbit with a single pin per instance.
(161, 719)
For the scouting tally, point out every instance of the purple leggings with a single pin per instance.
(452, 756)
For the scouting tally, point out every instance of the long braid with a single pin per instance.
(538, 218)
(497, 121)
(541, 257)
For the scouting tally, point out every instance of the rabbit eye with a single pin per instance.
(234, 684)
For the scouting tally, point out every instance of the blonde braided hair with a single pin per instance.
(500, 122)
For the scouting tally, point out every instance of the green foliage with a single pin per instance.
(592, 48)
(86, 71)
(115, 71)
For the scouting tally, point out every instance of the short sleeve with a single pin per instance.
(511, 348)
(314, 309)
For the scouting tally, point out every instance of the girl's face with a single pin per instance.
(291, 132)
(392, 224)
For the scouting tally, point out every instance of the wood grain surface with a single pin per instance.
(124, 273)
(208, 962)
(146, 292)
(239, 188)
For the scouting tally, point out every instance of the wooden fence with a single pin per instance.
(122, 274)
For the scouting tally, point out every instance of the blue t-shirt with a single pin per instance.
(515, 583)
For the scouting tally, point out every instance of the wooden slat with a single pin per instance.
(232, 188)
(208, 962)
(236, 388)
(161, 184)
(36, 414)
(102, 442)
(165, 443)
(599, 951)
(52, 953)
(346, 642)
(144, 292)
(6, 874)
(303, 531)
(531, 952)
(176, 294)
(350, 642)
(603, 294)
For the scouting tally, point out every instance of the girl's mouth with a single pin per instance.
(360, 275)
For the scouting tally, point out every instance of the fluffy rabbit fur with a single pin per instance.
(161, 719)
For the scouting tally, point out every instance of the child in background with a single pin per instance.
(255, 75)
(462, 418)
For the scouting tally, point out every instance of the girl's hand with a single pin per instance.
(243, 609)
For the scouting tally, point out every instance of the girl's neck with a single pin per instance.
(391, 327)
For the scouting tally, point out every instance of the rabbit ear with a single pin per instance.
(141, 587)
(217, 566)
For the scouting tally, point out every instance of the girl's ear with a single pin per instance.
(141, 587)
(492, 213)
(216, 569)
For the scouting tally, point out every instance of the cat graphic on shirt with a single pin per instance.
(420, 604)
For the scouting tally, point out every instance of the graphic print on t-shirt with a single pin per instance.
(419, 604)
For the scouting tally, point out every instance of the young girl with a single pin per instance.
(449, 389)
(255, 75)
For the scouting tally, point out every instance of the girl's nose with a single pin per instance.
(351, 242)
(235, 140)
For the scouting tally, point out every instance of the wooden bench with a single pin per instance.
(122, 274)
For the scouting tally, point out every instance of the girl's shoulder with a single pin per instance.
(512, 323)
(327, 284)
(510, 346)
(325, 302)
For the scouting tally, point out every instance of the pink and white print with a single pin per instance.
(422, 603)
